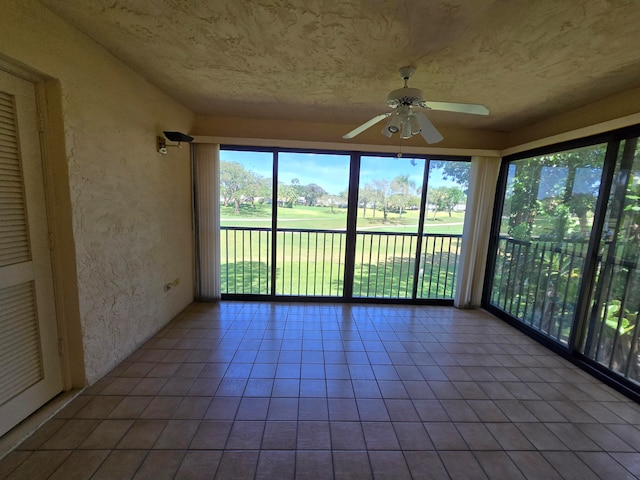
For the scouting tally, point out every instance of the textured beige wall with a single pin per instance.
(619, 106)
(131, 207)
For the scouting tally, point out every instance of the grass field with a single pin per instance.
(322, 218)
(312, 262)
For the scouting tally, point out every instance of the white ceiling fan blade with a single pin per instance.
(366, 125)
(473, 108)
(427, 130)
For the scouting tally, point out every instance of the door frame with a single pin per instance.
(59, 218)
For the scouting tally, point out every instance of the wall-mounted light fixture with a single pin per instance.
(161, 142)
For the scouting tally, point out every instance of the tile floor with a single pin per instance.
(278, 391)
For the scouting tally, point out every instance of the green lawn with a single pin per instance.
(312, 263)
(323, 218)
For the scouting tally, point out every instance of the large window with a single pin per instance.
(246, 196)
(611, 336)
(312, 223)
(566, 244)
(547, 214)
(340, 225)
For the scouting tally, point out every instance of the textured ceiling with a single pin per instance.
(335, 61)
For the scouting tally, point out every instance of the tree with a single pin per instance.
(257, 188)
(367, 196)
(401, 186)
(288, 195)
(312, 193)
(383, 191)
(344, 198)
(457, 171)
(445, 199)
(331, 200)
(545, 185)
(234, 180)
(580, 205)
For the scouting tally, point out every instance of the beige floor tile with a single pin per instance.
(177, 434)
(569, 466)
(347, 436)
(541, 437)
(630, 461)
(445, 436)
(498, 466)
(477, 436)
(42, 434)
(509, 437)
(198, 465)
(280, 435)
(351, 465)
(160, 465)
(120, 464)
(426, 466)
(80, 465)
(462, 466)
(39, 465)
(142, 434)
(99, 407)
(211, 435)
(389, 465)
(237, 464)
(605, 466)
(604, 437)
(264, 390)
(534, 466)
(71, 434)
(313, 435)
(245, 435)
(274, 464)
(380, 436)
(314, 465)
(12, 461)
(107, 434)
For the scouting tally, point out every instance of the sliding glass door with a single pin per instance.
(441, 239)
(246, 198)
(311, 224)
(611, 336)
(409, 227)
(566, 246)
(545, 226)
(338, 225)
(387, 227)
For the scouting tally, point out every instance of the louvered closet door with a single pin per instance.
(29, 360)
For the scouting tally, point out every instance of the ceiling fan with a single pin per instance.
(408, 119)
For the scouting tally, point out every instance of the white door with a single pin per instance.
(29, 360)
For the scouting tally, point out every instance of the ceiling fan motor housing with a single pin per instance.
(405, 96)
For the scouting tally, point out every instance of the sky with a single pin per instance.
(330, 171)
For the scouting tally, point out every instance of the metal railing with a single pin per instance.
(385, 265)
(245, 260)
(537, 282)
(312, 263)
(613, 323)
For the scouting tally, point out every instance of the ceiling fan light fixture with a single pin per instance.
(385, 130)
(406, 129)
(415, 126)
(394, 124)
(408, 118)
